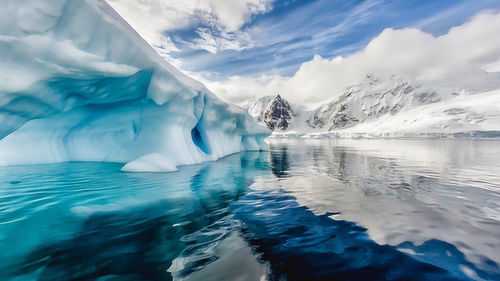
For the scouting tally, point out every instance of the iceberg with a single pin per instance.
(77, 83)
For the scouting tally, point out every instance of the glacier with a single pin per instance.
(77, 83)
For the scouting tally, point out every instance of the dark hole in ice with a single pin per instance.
(198, 140)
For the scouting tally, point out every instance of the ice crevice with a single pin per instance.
(77, 83)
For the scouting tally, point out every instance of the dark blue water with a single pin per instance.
(305, 210)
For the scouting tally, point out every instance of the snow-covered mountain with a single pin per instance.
(77, 83)
(374, 98)
(273, 112)
(389, 108)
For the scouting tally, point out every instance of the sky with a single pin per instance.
(242, 49)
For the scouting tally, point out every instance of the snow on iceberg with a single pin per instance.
(77, 83)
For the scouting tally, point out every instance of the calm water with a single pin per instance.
(305, 210)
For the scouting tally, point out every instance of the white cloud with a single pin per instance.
(233, 14)
(152, 19)
(215, 40)
(238, 89)
(453, 58)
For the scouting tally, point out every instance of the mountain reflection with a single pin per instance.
(304, 210)
(403, 192)
(280, 163)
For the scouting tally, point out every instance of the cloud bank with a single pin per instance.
(453, 59)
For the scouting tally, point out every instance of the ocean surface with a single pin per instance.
(304, 210)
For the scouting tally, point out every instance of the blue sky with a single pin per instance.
(293, 31)
(243, 49)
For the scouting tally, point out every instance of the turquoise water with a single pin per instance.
(304, 210)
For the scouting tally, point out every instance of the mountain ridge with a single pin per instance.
(362, 109)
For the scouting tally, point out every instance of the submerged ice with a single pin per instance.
(77, 83)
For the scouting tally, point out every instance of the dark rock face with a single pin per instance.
(278, 114)
(342, 119)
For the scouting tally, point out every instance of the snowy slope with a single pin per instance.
(465, 116)
(383, 107)
(77, 83)
(256, 108)
(374, 98)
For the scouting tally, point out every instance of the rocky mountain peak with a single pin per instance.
(278, 114)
